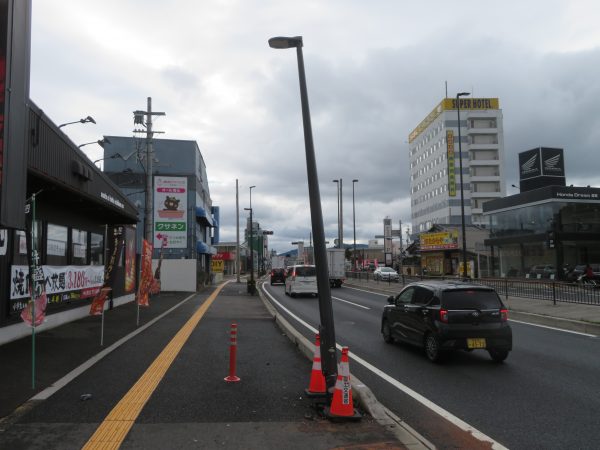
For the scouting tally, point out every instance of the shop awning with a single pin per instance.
(204, 248)
(203, 217)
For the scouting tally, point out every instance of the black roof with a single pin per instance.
(451, 284)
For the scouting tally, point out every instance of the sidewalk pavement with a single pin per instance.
(577, 317)
(192, 406)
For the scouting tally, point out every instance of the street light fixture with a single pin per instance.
(462, 192)
(326, 328)
(88, 119)
(101, 143)
(353, 227)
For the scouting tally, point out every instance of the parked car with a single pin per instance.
(301, 279)
(542, 271)
(442, 315)
(277, 276)
(386, 274)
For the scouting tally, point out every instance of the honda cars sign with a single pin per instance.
(542, 166)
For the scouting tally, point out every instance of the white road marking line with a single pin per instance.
(368, 292)
(398, 385)
(350, 303)
(553, 328)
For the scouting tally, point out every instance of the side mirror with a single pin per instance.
(390, 300)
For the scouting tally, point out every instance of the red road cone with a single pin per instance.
(317, 387)
(342, 407)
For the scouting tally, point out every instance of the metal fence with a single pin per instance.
(555, 291)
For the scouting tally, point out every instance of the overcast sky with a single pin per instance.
(374, 71)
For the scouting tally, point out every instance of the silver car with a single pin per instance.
(386, 274)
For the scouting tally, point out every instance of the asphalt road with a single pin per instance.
(544, 396)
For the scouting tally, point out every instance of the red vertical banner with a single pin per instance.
(40, 311)
(129, 259)
(98, 302)
(147, 276)
(155, 287)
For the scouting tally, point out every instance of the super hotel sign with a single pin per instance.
(449, 104)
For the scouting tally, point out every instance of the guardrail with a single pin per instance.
(555, 291)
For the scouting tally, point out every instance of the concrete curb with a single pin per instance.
(360, 392)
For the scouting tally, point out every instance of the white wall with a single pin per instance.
(177, 274)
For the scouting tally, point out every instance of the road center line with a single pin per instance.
(112, 431)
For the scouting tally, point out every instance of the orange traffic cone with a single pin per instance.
(342, 407)
(317, 387)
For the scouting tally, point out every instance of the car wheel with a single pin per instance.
(498, 355)
(292, 294)
(387, 333)
(432, 348)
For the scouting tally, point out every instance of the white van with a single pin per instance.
(301, 279)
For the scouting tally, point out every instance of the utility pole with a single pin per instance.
(138, 119)
(400, 236)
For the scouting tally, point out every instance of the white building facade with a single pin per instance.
(435, 164)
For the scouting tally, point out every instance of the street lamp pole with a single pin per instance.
(337, 185)
(462, 192)
(251, 283)
(326, 328)
(251, 287)
(353, 227)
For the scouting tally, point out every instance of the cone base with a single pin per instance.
(315, 395)
(232, 379)
(356, 416)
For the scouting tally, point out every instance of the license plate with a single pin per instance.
(476, 343)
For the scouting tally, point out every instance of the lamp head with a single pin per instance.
(355, 181)
(88, 119)
(285, 42)
(462, 94)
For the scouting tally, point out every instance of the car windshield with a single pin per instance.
(387, 269)
(470, 299)
(306, 271)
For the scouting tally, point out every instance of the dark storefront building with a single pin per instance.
(77, 211)
(536, 233)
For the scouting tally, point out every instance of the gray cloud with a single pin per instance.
(373, 73)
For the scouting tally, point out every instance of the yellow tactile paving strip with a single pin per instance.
(113, 430)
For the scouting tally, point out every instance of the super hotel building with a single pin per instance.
(435, 166)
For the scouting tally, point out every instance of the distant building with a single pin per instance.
(183, 209)
(435, 165)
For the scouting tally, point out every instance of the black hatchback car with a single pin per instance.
(441, 316)
(277, 276)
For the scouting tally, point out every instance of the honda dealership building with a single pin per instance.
(546, 226)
